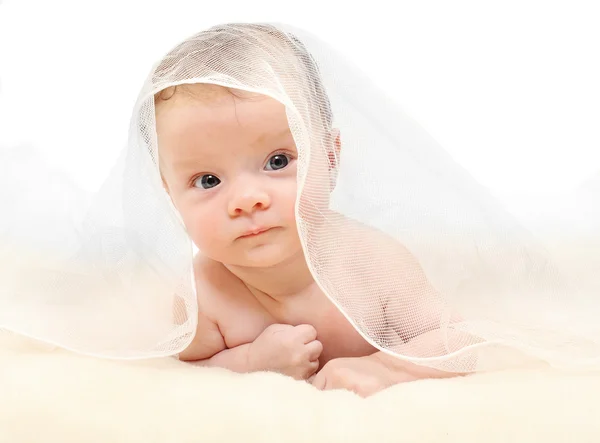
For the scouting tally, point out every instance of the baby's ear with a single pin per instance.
(164, 183)
(334, 156)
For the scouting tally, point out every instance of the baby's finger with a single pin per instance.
(340, 378)
(307, 332)
(313, 367)
(314, 349)
(319, 381)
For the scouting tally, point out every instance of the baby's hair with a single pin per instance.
(236, 46)
(243, 56)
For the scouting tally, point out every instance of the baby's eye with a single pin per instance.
(276, 162)
(207, 181)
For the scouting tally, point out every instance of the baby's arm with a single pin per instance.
(208, 348)
(413, 310)
(291, 350)
(420, 318)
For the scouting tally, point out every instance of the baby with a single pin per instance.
(229, 164)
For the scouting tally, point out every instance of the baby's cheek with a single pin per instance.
(200, 227)
(203, 234)
(287, 196)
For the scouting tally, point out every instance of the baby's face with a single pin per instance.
(229, 165)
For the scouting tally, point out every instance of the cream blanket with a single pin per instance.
(49, 395)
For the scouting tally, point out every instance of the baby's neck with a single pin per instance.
(279, 282)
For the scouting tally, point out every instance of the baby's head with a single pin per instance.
(228, 159)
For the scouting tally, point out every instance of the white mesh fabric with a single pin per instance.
(414, 252)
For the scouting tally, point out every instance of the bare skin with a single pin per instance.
(303, 335)
(238, 315)
(229, 166)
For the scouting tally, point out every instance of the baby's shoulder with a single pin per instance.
(363, 241)
(366, 250)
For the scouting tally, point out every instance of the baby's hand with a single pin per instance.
(363, 375)
(290, 350)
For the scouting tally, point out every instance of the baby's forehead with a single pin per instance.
(214, 119)
(214, 102)
(207, 93)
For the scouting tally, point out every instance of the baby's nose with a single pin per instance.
(248, 199)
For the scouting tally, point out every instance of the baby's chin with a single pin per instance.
(266, 255)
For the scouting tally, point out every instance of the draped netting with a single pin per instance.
(416, 254)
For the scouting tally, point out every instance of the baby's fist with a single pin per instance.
(290, 350)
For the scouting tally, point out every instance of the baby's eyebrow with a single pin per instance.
(284, 133)
(184, 165)
(269, 135)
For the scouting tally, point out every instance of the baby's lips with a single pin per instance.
(255, 231)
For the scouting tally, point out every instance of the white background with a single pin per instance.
(511, 88)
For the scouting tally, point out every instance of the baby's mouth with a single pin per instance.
(254, 232)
